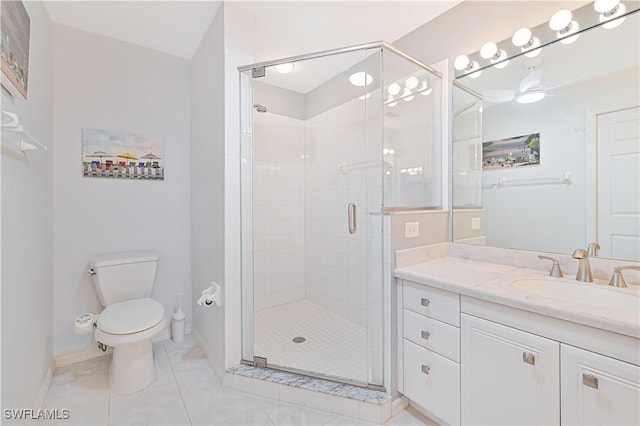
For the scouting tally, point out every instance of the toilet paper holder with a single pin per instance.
(211, 296)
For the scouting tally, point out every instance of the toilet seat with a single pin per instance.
(131, 316)
(130, 321)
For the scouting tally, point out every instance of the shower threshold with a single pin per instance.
(314, 384)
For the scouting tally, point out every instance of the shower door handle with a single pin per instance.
(353, 221)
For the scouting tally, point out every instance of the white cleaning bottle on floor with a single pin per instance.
(177, 325)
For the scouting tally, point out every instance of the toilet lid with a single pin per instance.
(131, 316)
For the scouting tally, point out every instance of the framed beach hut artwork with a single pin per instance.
(14, 47)
(118, 155)
(511, 152)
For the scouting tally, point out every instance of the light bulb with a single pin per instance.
(560, 20)
(406, 95)
(425, 89)
(603, 6)
(521, 37)
(531, 53)
(392, 104)
(499, 59)
(411, 83)
(461, 62)
(472, 70)
(619, 10)
(567, 38)
(360, 79)
(489, 50)
(285, 68)
(393, 89)
(530, 96)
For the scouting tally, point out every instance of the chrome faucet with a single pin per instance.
(584, 269)
(617, 280)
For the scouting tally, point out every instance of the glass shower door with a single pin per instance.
(312, 224)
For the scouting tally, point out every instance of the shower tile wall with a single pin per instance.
(278, 210)
(336, 261)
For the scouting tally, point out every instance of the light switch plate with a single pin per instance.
(411, 229)
(475, 223)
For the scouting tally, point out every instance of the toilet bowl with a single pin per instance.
(128, 327)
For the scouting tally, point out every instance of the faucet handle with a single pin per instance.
(617, 280)
(593, 249)
(555, 268)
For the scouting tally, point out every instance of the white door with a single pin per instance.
(509, 377)
(598, 390)
(618, 199)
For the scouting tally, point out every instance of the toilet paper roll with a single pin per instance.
(211, 296)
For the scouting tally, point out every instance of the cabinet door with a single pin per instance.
(508, 376)
(598, 390)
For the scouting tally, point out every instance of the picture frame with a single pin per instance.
(511, 152)
(120, 155)
(14, 48)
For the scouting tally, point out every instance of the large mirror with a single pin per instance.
(564, 171)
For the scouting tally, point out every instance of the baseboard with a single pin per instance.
(44, 389)
(399, 404)
(212, 361)
(166, 333)
(78, 355)
(428, 414)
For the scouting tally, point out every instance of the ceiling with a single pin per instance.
(281, 28)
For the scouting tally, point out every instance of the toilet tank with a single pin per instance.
(123, 276)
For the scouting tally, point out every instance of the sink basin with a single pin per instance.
(586, 294)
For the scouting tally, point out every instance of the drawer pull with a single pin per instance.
(590, 380)
(529, 358)
(426, 369)
(424, 301)
(425, 334)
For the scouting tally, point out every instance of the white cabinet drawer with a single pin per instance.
(434, 335)
(432, 381)
(432, 302)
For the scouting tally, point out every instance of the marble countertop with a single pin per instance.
(494, 283)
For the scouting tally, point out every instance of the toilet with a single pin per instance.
(123, 282)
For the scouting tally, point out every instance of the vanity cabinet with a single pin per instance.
(598, 390)
(431, 349)
(508, 376)
(469, 361)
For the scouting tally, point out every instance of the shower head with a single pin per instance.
(260, 108)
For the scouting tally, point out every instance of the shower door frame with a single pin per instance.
(246, 172)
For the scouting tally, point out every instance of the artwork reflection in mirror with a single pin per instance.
(586, 187)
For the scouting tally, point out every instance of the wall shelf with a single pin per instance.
(15, 137)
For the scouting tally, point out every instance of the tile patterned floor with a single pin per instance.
(334, 346)
(185, 392)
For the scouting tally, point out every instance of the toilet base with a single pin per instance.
(132, 367)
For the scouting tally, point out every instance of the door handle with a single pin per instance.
(425, 334)
(590, 380)
(529, 358)
(353, 221)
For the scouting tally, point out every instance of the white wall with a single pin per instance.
(107, 84)
(27, 233)
(207, 182)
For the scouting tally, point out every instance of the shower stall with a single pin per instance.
(329, 141)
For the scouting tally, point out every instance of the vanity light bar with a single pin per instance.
(564, 25)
